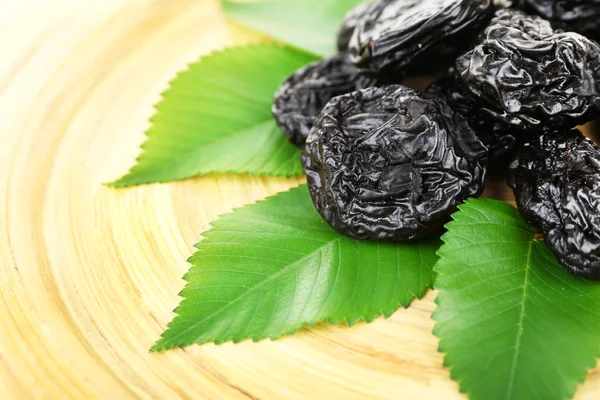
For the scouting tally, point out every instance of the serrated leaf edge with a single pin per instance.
(436, 333)
(122, 181)
(158, 347)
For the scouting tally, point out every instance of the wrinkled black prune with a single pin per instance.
(530, 78)
(500, 141)
(349, 24)
(393, 35)
(302, 96)
(582, 16)
(556, 180)
(390, 163)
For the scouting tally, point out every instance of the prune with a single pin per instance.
(349, 24)
(393, 35)
(500, 141)
(302, 96)
(390, 163)
(527, 77)
(582, 16)
(556, 180)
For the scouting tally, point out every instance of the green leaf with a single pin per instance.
(512, 322)
(268, 269)
(307, 24)
(216, 117)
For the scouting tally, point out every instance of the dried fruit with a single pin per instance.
(349, 24)
(302, 96)
(390, 163)
(582, 16)
(393, 35)
(500, 141)
(556, 180)
(527, 77)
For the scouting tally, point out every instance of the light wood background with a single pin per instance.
(89, 275)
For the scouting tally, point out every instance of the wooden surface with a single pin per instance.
(89, 275)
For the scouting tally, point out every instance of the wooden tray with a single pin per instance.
(89, 275)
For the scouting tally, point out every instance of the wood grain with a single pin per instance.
(89, 275)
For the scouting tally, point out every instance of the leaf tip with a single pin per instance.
(157, 348)
(124, 182)
(116, 184)
(161, 345)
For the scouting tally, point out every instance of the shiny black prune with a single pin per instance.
(395, 35)
(500, 141)
(530, 78)
(391, 163)
(302, 96)
(556, 180)
(582, 16)
(349, 24)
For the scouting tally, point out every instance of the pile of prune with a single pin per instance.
(513, 79)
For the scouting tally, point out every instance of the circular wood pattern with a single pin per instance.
(89, 275)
